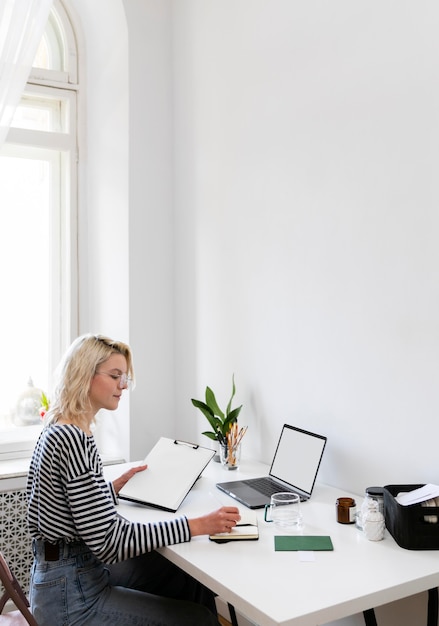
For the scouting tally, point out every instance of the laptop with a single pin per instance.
(294, 468)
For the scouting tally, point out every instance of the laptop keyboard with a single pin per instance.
(267, 486)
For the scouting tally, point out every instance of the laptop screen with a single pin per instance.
(297, 458)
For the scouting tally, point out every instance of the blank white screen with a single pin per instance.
(297, 458)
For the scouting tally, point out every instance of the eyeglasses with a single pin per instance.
(123, 379)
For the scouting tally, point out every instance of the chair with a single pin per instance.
(14, 592)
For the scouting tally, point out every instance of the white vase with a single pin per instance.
(373, 522)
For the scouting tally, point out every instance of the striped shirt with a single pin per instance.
(69, 499)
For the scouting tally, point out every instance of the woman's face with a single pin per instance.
(105, 389)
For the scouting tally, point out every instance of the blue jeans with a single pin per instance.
(79, 590)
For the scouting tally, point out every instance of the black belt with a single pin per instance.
(51, 551)
(60, 550)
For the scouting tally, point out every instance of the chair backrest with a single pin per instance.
(14, 592)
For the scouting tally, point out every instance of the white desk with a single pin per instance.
(276, 588)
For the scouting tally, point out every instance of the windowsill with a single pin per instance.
(17, 445)
(18, 442)
(18, 468)
(13, 468)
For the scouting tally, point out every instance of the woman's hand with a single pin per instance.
(221, 521)
(122, 480)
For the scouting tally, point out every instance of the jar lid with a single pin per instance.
(375, 491)
(345, 501)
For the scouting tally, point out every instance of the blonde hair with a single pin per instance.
(75, 373)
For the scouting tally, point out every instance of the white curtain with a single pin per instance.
(22, 24)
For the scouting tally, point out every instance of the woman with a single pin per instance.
(92, 566)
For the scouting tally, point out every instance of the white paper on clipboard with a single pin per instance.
(173, 468)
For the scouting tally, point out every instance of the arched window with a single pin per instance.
(56, 58)
(38, 247)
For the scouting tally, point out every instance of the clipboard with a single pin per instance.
(173, 468)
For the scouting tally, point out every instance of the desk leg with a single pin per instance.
(369, 618)
(232, 612)
(432, 613)
(432, 607)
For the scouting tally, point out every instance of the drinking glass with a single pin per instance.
(284, 511)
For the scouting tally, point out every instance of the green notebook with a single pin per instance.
(302, 542)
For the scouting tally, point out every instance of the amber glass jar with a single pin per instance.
(346, 509)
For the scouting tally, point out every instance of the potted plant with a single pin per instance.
(220, 421)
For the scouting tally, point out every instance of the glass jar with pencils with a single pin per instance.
(230, 448)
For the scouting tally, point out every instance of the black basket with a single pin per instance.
(408, 525)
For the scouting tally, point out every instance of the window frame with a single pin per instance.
(60, 20)
(17, 442)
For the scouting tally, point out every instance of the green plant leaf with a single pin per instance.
(210, 435)
(44, 401)
(229, 406)
(212, 403)
(233, 415)
(231, 419)
(219, 421)
(208, 414)
(203, 407)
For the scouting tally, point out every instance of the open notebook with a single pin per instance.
(246, 530)
(173, 468)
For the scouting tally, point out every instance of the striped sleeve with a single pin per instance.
(110, 536)
(69, 499)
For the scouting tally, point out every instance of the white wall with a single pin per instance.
(151, 233)
(103, 188)
(306, 148)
